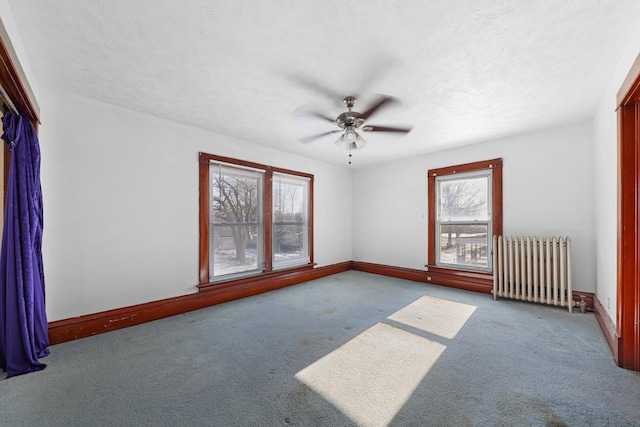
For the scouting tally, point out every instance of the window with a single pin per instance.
(465, 211)
(236, 235)
(290, 220)
(253, 218)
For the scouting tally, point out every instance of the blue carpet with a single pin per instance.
(345, 350)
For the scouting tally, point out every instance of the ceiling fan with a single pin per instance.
(351, 121)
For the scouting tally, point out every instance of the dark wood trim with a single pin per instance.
(462, 279)
(203, 169)
(93, 324)
(497, 197)
(14, 83)
(267, 212)
(211, 294)
(291, 172)
(466, 167)
(466, 280)
(628, 298)
(254, 279)
(496, 206)
(391, 271)
(431, 219)
(206, 157)
(629, 87)
(16, 86)
(607, 326)
(311, 221)
(470, 281)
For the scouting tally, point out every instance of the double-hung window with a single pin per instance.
(290, 220)
(253, 218)
(465, 206)
(236, 234)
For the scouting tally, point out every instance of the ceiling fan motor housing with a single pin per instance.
(349, 119)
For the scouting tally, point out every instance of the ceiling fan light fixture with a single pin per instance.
(350, 134)
(343, 143)
(351, 144)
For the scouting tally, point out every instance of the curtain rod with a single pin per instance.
(8, 102)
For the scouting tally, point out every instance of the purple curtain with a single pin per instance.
(23, 320)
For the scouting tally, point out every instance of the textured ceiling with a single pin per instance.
(465, 70)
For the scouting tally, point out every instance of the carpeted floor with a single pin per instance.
(353, 349)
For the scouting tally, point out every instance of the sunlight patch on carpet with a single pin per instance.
(435, 315)
(372, 376)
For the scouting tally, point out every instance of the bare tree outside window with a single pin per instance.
(464, 199)
(290, 225)
(236, 215)
(464, 220)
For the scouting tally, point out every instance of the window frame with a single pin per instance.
(495, 165)
(205, 160)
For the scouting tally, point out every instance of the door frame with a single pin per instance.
(628, 300)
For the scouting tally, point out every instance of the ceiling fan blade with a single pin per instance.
(316, 86)
(321, 116)
(382, 101)
(370, 128)
(308, 112)
(314, 137)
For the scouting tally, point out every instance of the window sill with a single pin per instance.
(253, 279)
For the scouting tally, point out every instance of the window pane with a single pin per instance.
(289, 199)
(464, 199)
(288, 242)
(290, 220)
(235, 249)
(236, 195)
(464, 245)
(236, 231)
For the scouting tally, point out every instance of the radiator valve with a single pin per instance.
(582, 304)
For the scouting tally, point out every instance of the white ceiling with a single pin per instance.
(465, 70)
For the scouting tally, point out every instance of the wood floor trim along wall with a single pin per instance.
(470, 281)
(92, 324)
(607, 326)
(84, 326)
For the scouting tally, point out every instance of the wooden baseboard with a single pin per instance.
(608, 329)
(211, 294)
(470, 281)
(98, 323)
(387, 270)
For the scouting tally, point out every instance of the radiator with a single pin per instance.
(536, 269)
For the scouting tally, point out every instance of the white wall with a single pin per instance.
(6, 16)
(547, 190)
(121, 204)
(605, 140)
